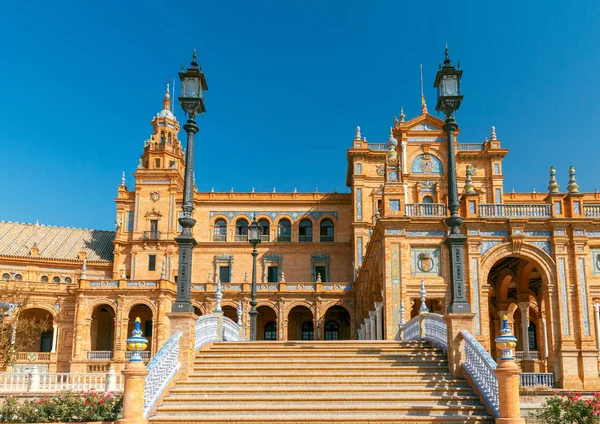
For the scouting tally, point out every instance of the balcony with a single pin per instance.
(284, 238)
(377, 146)
(326, 239)
(34, 357)
(145, 354)
(533, 354)
(515, 211)
(264, 238)
(100, 355)
(151, 235)
(219, 237)
(425, 209)
(305, 239)
(469, 147)
(241, 237)
(591, 211)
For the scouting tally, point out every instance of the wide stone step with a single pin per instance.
(310, 389)
(441, 399)
(354, 417)
(296, 368)
(304, 380)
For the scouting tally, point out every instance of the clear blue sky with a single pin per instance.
(288, 83)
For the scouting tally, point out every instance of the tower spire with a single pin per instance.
(423, 104)
(167, 99)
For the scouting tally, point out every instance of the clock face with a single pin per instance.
(450, 84)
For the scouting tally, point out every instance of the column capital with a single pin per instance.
(596, 307)
(524, 307)
(378, 306)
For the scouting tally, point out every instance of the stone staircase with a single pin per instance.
(322, 382)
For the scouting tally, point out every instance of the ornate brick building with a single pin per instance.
(330, 265)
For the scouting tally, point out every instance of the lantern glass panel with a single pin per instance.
(449, 85)
(191, 87)
(254, 230)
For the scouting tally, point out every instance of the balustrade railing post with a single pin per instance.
(34, 380)
(111, 380)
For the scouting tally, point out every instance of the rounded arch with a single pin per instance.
(218, 217)
(45, 319)
(527, 252)
(48, 308)
(98, 302)
(270, 305)
(102, 327)
(138, 301)
(260, 216)
(326, 230)
(284, 229)
(338, 303)
(426, 163)
(306, 226)
(300, 322)
(439, 154)
(292, 305)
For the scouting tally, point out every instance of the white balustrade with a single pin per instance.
(410, 330)
(161, 370)
(55, 382)
(100, 355)
(515, 211)
(206, 330)
(591, 211)
(425, 209)
(435, 330)
(231, 331)
(533, 354)
(480, 366)
(537, 379)
(469, 147)
(144, 354)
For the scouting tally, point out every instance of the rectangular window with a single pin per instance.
(129, 225)
(272, 274)
(395, 206)
(148, 328)
(172, 164)
(497, 168)
(154, 225)
(151, 262)
(471, 206)
(359, 168)
(577, 208)
(322, 271)
(498, 196)
(224, 274)
(359, 204)
(557, 208)
(157, 163)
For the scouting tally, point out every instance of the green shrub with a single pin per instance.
(570, 408)
(66, 407)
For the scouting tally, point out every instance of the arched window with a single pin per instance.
(427, 199)
(531, 334)
(264, 230)
(284, 230)
(332, 330)
(44, 279)
(18, 277)
(306, 231)
(241, 230)
(308, 331)
(68, 280)
(56, 280)
(327, 230)
(6, 276)
(271, 330)
(220, 230)
(426, 164)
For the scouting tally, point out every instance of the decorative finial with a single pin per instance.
(239, 313)
(123, 179)
(318, 277)
(194, 63)
(252, 191)
(513, 190)
(218, 296)
(274, 190)
(357, 136)
(506, 342)
(493, 133)
(447, 56)
(533, 191)
(212, 190)
(553, 184)
(136, 343)
(163, 270)
(316, 189)
(123, 276)
(402, 320)
(469, 186)
(573, 187)
(423, 309)
(282, 279)
(402, 114)
(140, 164)
(485, 140)
(231, 191)
(295, 190)
(167, 99)
(84, 269)
(365, 139)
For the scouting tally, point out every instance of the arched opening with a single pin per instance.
(197, 311)
(284, 230)
(146, 323)
(230, 312)
(241, 230)
(299, 319)
(308, 330)
(265, 228)
(305, 231)
(220, 230)
(427, 199)
(35, 331)
(102, 329)
(327, 231)
(516, 291)
(337, 323)
(267, 322)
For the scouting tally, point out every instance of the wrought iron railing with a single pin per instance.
(241, 237)
(537, 379)
(161, 370)
(591, 211)
(151, 235)
(515, 211)
(377, 146)
(425, 209)
(264, 238)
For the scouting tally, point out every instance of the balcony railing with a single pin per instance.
(241, 237)
(305, 239)
(591, 211)
(326, 239)
(537, 379)
(515, 211)
(151, 235)
(100, 355)
(425, 209)
(145, 354)
(377, 146)
(469, 147)
(533, 354)
(219, 237)
(264, 238)
(284, 238)
(34, 356)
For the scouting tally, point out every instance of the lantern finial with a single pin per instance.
(194, 63)
(447, 57)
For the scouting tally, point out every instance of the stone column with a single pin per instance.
(186, 323)
(545, 335)
(367, 329)
(527, 364)
(162, 325)
(54, 337)
(597, 323)
(372, 323)
(508, 374)
(379, 317)
(456, 355)
(403, 145)
(133, 393)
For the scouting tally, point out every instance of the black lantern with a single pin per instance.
(254, 233)
(447, 82)
(193, 85)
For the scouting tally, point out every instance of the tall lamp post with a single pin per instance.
(447, 82)
(254, 239)
(193, 85)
